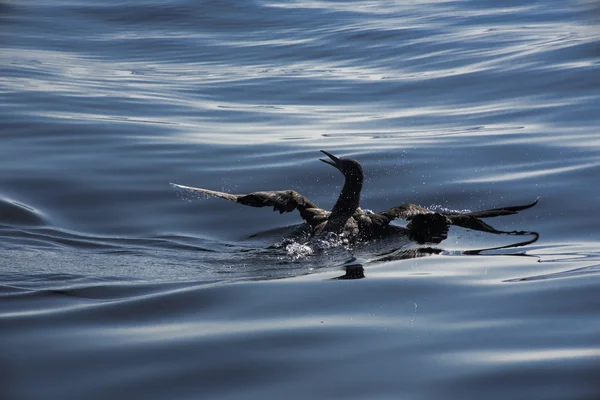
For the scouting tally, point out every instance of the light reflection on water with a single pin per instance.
(111, 284)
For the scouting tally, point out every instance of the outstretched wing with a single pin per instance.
(498, 212)
(405, 211)
(426, 223)
(282, 201)
(471, 220)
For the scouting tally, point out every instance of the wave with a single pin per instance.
(15, 213)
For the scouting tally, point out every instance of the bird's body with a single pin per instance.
(348, 220)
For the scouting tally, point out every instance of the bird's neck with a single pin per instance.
(349, 199)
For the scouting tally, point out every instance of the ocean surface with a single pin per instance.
(114, 285)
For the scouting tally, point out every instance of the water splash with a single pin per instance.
(442, 209)
(187, 194)
(298, 251)
(301, 249)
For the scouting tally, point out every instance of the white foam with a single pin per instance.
(298, 250)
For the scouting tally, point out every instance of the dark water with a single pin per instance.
(114, 285)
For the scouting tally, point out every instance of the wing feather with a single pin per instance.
(498, 212)
(429, 223)
(283, 201)
(405, 211)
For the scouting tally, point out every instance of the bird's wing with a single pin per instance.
(409, 211)
(425, 226)
(282, 201)
(471, 220)
(405, 211)
(424, 220)
(498, 212)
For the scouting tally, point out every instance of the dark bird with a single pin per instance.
(349, 221)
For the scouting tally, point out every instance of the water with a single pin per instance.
(112, 284)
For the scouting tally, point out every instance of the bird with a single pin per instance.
(348, 221)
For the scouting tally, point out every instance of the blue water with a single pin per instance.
(114, 285)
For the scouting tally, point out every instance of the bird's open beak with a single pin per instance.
(335, 161)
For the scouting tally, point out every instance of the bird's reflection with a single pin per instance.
(353, 271)
(356, 270)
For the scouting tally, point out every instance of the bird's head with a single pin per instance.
(347, 166)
